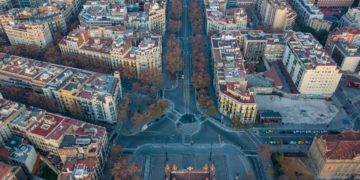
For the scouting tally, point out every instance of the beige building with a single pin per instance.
(57, 15)
(61, 136)
(92, 96)
(157, 17)
(150, 16)
(220, 18)
(278, 14)
(35, 34)
(336, 156)
(230, 81)
(310, 67)
(116, 46)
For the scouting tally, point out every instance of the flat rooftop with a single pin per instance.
(77, 82)
(308, 50)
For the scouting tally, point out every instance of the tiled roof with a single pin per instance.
(341, 146)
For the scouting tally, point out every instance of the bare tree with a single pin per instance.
(264, 151)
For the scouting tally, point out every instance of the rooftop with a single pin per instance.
(341, 146)
(78, 169)
(7, 109)
(347, 40)
(80, 83)
(229, 66)
(54, 126)
(308, 50)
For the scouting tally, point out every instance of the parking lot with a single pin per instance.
(299, 110)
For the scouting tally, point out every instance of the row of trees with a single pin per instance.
(155, 110)
(200, 77)
(28, 97)
(173, 45)
(120, 166)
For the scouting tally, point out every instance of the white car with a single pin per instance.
(144, 127)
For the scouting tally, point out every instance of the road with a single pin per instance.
(165, 131)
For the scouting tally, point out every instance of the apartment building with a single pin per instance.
(32, 34)
(278, 14)
(102, 13)
(116, 46)
(230, 81)
(9, 110)
(93, 96)
(320, 24)
(332, 3)
(343, 46)
(310, 67)
(61, 136)
(308, 12)
(57, 15)
(275, 47)
(351, 18)
(151, 16)
(19, 153)
(220, 18)
(254, 43)
(336, 156)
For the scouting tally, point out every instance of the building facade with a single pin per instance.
(336, 156)
(57, 15)
(230, 81)
(8, 111)
(32, 34)
(351, 18)
(343, 46)
(150, 16)
(320, 24)
(310, 15)
(117, 47)
(310, 67)
(278, 14)
(87, 94)
(71, 140)
(220, 18)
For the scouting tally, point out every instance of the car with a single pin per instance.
(144, 127)
(269, 131)
(182, 77)
(301, 142)
(307, 142)
(292, 142)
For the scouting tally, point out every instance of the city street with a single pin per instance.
(167, 132)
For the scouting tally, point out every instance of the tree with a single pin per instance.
(123, 170)
(278, 156)
(115, 153)
(174, 26)
(264, 151)
(123, 109)
(138, 119)
(236, 123)
(176, 9)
